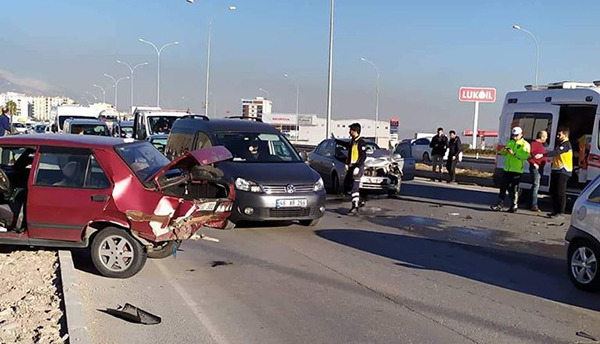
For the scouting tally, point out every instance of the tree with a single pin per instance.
(11, 106)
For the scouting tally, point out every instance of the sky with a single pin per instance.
(425, 51)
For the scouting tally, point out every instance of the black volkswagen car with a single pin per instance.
(271, 180)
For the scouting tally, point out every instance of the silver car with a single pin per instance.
(583, 239)
(384, 171)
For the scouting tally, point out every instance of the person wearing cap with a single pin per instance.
(515, 153)
(562, 170)
(356, 164)
(438, 145)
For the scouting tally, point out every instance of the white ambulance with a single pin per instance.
(564, 104)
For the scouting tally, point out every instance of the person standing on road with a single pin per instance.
(454, 155)
(355, 161)
(515, 153)
(536, 166)
(4, 123)
(438, 145)
(562, 170)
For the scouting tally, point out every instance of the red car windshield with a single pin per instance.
(143, 159)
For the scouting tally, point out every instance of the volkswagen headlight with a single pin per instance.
(319, 185)
(248, 186)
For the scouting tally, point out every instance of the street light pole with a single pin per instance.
(537, 51)
(91, 94)
(103, 92)
(297, 103)
(116, 86)
(330, 69)
(158, 52)
(263, 90)
(208, 55)
(132, 70)
(377, 101)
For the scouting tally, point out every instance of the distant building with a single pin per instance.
(257, 107)
(43, 106)
(308, 129)
(23, 105)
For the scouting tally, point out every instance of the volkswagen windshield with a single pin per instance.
(252, 147)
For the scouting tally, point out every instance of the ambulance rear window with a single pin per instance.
(532, 123)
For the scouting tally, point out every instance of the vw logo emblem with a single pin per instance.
(290, 189)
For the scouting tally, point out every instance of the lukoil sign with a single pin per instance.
(477, 94)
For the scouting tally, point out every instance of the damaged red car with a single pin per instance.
(123, 200)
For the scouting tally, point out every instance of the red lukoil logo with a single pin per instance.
(477, 94)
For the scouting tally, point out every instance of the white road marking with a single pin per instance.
(204, 319)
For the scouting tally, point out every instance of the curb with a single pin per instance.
(76, 327)
(459, 178)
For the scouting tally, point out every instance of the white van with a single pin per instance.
(65, 112)
(148, 121)
(549, 107)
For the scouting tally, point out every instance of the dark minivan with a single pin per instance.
(272, 183)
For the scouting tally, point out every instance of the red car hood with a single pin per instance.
(205, 156)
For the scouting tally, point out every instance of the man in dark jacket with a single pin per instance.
(4, 123)
(454, 150)
(438, 145)
(356, 163)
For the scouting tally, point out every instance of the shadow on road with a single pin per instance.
(525, 273)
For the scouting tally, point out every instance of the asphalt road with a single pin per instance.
(432, 266)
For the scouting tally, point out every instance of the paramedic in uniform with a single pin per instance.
(515, 153)
(562, 169)
(355, 162)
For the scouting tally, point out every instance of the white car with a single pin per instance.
(420, 149)
(583, 239)
(20, 128)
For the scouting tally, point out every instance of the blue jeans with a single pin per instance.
(537, 178)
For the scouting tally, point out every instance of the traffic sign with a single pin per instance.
(477, 94)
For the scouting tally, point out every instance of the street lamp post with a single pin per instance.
(208, 54)
(537, 51)
(103, 92)
(330, 69)
(132, 70)
(264, 91)
(91, 94)
(158, 52)
(377, 96)
(116, 86)
(297, 103)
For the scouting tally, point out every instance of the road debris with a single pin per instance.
(30, 300)
(217, 263)
(133, 314)
(453, 214)
(585, 335)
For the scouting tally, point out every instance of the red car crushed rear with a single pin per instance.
(125, 201)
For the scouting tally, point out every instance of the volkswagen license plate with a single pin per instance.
(291, 203)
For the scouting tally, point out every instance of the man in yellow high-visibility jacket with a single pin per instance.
(515, 153)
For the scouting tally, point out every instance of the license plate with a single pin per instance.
(375, 180)
(291, 203)
(208, 206)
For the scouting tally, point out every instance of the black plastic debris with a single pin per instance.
(217, 263)
(135, 315)
(585, 335)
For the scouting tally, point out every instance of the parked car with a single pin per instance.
(40, 128)
(383, 171)
(159, 141)
(125, 129)
(420, 149)
(271, 180)
(85, 127)
(583, 239)
(19, 128)
(123, 200)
